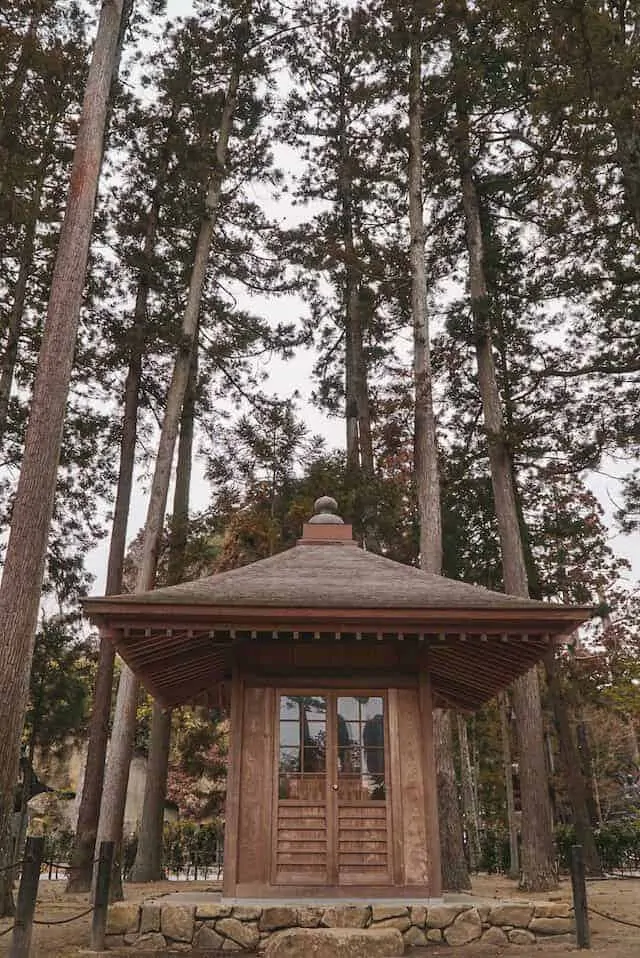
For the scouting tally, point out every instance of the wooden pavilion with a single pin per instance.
(331, 660)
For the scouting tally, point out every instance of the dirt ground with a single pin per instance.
(618, 897)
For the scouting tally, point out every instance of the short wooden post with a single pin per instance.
(579, 886)
(27, 894)
(101, 901)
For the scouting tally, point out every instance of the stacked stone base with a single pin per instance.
(217, 926)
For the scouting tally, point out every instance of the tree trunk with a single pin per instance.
(33, 505)
(87, 827)
(123, 734)
(468, 795)
(12, 100)
(10, 353)
(455, 873)
(538, 872)
(572, 767)
(425, 443)
(148, 862)
(507, 768)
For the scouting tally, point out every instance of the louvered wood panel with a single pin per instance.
(363, 844)
(301, 844)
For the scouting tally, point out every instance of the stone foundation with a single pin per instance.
(207, 926)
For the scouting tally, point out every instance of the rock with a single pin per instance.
(466, 928)
(552, 909)
(402, 922)
(150, 918)
(229, 945)
(151, 942)
(518, 914)
(434, 934)
(346, 916)
(382, 912)
(309, 917)
(278, 916)
(494, 936)
(520, 936)
(123, 918)
(180, 946)
(483, 911)
(207, 938)
(212, 910)
(242, 932)
(114, 941)
(439, 916)
(418, 915)
(414, 937)
(131, 938)
(178, 921)
(551, 926)
(336, 943)
(246, 912)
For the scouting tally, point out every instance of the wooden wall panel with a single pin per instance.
(414, 831)
(254, 820)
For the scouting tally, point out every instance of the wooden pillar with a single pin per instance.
(430, 787)
(232, 801)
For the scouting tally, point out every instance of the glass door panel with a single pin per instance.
(360, 741)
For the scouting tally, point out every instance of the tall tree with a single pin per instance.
(34, 502)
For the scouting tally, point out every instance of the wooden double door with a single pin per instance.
(332, 805)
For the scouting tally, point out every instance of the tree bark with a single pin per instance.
(123, 734)
(538, 871)
(573, 768)
(10, 353)
(468, 795)
(33, 505)
(507, 769)
(455, 873)
(148, 862)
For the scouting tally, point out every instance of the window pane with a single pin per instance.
(373, 732)
(348, 733)
(289, 707)
(371, 707)
(290, 733)
(289, 760)
(347, 708)
(315, 734)
(313, 760)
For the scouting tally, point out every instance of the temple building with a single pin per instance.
(331, 660)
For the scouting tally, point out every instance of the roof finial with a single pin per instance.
(325, 509)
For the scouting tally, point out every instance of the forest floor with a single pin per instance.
(614, 896)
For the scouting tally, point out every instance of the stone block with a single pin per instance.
(494, 936)
(336, 943)
(383, 912)
(346, 916)
(229, 945)
(309, 917)
(114, 941)
(517, 914)
(551, 926)
(520, 936)
(401, 922)
(207, 939)
(178, 922)
(277, 916)
(246, 912)
(552, 909)
(243, 933)
(415, 937)
(440, 916)
(466, 928)
(183, 947)
(123, 918)
(149, 918)
(212, 909)
(154, 941)
(434, 934)
(418, 915)
(483, 911)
